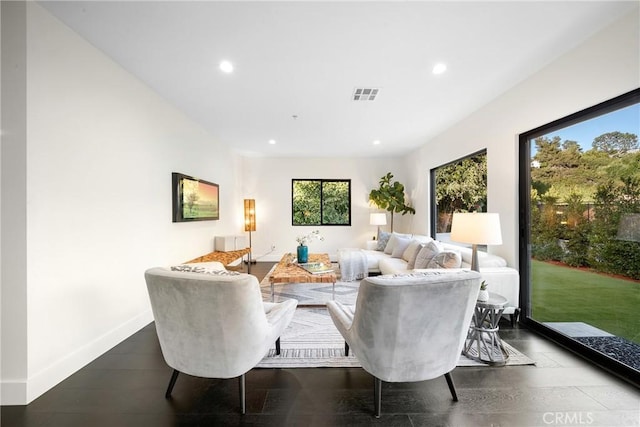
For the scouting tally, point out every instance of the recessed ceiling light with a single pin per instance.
(226, 66)
(439, 68)
(272, 141)
(376, 142)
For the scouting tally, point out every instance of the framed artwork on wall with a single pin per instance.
(194, 199)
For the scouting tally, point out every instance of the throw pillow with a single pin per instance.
(421, 238)
(393, 242)
(446, 259)
(209, 265)
(427, 253)
(401, 246)
(411, 251)
(383, 239)
(186, 268)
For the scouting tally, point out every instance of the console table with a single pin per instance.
(225, 258)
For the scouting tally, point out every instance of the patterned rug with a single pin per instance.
(315, 294)
(312, 340)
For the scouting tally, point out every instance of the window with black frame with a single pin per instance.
(458, 186)
(321, 201)
(580, 219)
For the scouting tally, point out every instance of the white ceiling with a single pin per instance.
(304, 59)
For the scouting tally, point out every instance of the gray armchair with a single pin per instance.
(408, 328)
(214, 325)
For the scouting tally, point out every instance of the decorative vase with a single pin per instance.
(483, 295)
(303, 254)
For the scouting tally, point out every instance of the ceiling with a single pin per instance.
(297, 63)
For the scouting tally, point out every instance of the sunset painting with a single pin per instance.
(197, 200)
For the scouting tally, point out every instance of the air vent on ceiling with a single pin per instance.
(365, 94)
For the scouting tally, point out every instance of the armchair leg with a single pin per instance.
(346, 348)
(377, 396)
(243, 404)
(452, 387)
(278, 346)
(172, 382)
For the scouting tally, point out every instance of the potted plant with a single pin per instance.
(483, 295)
(390, 196)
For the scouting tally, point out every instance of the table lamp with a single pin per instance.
(378, 219)
(477, 229)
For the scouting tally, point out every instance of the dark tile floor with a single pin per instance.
(125, 387)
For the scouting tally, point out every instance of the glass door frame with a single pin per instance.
(524, 165)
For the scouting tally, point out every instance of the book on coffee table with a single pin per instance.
(316, 267)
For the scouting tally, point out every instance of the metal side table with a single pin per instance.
(483, 342)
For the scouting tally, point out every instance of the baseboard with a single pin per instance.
(269, 258)
(13, 393)
(23, 393)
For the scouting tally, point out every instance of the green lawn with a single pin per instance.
(561, 294)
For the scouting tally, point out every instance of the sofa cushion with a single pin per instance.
(425, 255)
(446, 259)
(390, 265)
(373, 259)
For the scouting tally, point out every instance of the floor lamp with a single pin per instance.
(249, 221)
(477, 229)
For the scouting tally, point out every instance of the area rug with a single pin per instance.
(312, 341)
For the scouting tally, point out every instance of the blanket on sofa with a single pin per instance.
(353, 264)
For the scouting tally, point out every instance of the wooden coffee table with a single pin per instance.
(288, 272)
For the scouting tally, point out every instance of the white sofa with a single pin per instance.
(500, 278)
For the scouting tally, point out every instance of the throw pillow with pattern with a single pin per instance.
(427, 253)
(186, 268)
(446, 259)
(383, 239)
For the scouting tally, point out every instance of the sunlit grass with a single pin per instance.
(562, 294)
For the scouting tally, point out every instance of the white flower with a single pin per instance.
(305, 240)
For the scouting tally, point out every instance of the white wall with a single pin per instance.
(605, 66)
(99, 153)
(268, 181)
(14, 294)
(100, 147)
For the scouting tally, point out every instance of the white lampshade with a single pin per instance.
(378, 219)
(476, 228)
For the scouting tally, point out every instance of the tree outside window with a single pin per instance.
(459, 186)
(321, 202)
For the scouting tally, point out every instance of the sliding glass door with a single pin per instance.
(580, 219)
